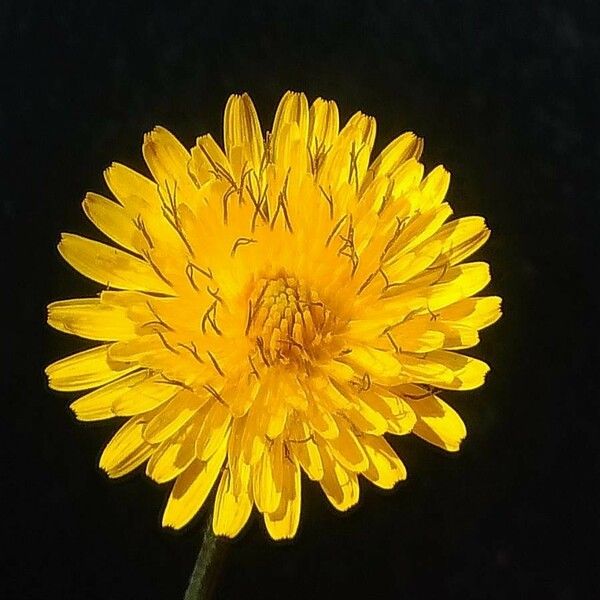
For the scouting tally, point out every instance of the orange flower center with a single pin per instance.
(289, 322)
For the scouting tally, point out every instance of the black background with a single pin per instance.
(506, 96)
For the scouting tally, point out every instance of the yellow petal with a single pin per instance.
(323, 128)
(127, 450)
(97, 405)
(321, 420)
(306, 451)
(267, 478)
(418, 229)
(91, 318)
(337, 396)
(242, 129)
(191, 489)
(145, 396)
(340, 486)
(404, 267)
(173, 455)
(131, 189)
(400, 150)
(417, 335)
(405, 177)
(348, 159)
(173, 416)
(435, 186)
(426, 369)
(253, 439)
(112, 220)
(347, 449)
(456, 336)
(214, 427)
(231, 511)
(85, 370)
(365, 418)
(438, 423)
(277, 418)
(403, 418)
(240, 472)
(109, 266)
(468, 373)
(460, 239)
(473, 312)
(137, 349)
(292, 110)
(385, 468)
(458, 283)
(208, 161)
(283, 523)
(166, 158)
(378, 363)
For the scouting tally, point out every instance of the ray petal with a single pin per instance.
(385, 468)
(192, 488)
(127, 449)
(84, 370)
(232, 511)
(112, 220)
(97, 405)
(109, 266)
(242, 130)
(283, 523)
(91, 318)
(438, 423)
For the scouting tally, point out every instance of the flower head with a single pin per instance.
(275, 307)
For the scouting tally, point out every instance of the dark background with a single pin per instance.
(506, 95)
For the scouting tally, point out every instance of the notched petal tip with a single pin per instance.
(156, 131)
(107, 471)
(171, 524)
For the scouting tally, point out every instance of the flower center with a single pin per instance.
(288, 321)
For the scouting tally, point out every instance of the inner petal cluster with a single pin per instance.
(288, 322)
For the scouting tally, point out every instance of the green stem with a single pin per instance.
(204, 575)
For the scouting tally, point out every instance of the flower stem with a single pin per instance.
(204, 575)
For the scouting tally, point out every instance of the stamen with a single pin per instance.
(189, 271)
(165, 343)
(215, 294)
(243, 241)
(169, 381)
(288, 322)
(193, 351)
(259, 211)
(282, 205)
(430, 392)
(335, 230)
(253, 371)
(354, 164)
(210, 316)
(159, 320)
(215, 364)
(400, 225)
(171, 214)
(141, 226)
(387, 196)
(329, 198)
(232, 190)
(155, 268)
(211, 390)
(249, 319)
(348, 249)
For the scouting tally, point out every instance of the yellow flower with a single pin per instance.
(277, 306)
